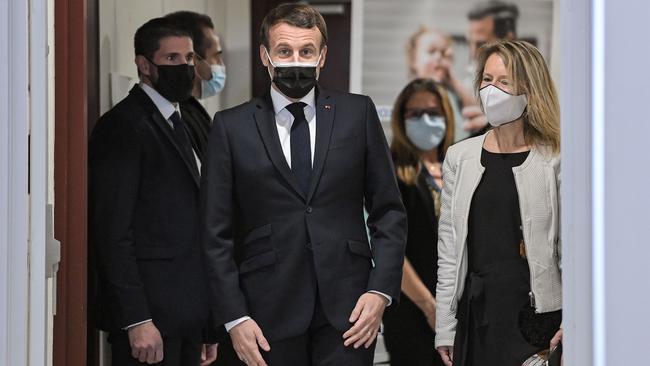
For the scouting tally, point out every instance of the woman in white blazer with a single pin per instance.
(499, 292)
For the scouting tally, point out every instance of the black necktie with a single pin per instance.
(300, 146)
(182, 138)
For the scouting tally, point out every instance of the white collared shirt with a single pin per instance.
(166, 108)
(284, 120)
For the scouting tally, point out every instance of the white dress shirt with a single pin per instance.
(283, 122)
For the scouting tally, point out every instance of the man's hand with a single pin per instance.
(366, 317)
(146, 343)
(447, 354)
(208, 354)
(247, 339)
(474, 118)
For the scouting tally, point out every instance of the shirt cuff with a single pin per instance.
(235, 323)
(136, 324)
(390, 299)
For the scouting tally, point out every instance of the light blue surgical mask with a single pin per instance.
(426, 132)
(214, 86)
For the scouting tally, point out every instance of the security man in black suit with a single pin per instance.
(291, 272)
(144, 191)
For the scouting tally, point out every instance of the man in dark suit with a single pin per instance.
(284, 185)
(144, 190)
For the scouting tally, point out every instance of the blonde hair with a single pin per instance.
(530, 76)
(405, 154)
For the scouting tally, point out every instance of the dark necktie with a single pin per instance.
(182, 138)
(300, 146)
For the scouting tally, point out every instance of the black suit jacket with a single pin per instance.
(271, 250)
(198, 123)
(144, 222)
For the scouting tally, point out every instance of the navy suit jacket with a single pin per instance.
(273, 251)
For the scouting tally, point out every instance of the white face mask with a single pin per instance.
(426, 132)
(501, 107)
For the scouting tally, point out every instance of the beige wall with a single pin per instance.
(119, 20)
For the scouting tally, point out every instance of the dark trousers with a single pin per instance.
(177, 351)
(321, 345)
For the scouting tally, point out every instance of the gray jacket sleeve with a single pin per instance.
(447, 257)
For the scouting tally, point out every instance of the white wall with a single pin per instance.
(13, 183)
(626, 180)
(605, 181)
(119, 19)
(388, 25)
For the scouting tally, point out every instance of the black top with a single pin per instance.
(421, 249)
(407, 334)
(494, 225)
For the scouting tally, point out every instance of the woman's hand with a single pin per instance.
(428, 308)
(557, 338)
(447, 354)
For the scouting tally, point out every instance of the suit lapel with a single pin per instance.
(163, 125)
(265, 119)
(325, 109)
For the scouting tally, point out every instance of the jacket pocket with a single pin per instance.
(258, 241)
(258, 233)
(360, 248)
(257, 262)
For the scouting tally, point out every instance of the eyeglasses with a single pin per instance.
(418, 112)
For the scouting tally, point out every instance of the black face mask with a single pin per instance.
(295, 81)
(175, 82)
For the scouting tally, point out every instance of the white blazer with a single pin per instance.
(538, 186)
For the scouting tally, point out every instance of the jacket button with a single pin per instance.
(309, 210)
(309, 245)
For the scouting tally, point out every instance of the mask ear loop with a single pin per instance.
(270, 61)
(155, 65)
(320, 54)
(268, 56)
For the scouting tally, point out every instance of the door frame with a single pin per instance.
(75, 22)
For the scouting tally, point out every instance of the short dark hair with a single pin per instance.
(194, 23)
(295, 14)
(504, 14)
(147, 38)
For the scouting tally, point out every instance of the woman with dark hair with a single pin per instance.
(423, 129)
